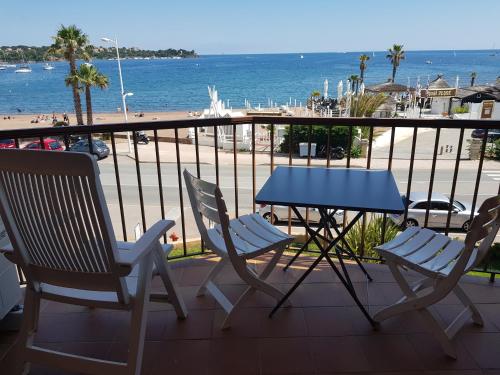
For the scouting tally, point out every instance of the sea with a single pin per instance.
(181, 85)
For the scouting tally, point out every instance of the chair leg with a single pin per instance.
(464, 298)
(173, 293)
(438, 333)
(212, 274)
(236, 307)
(272, 263)
(28, 328)
(139, 316)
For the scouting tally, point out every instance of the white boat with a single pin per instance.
(23, 69)
(47, 66)
(428, 62)
(301, 56)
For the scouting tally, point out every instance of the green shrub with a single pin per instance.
(462, 109)
(496, 150)
(373, 235)
(319, 135)
(355, 152)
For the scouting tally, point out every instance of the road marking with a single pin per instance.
(494, 175)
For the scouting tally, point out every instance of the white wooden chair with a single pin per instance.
(235, 241)
(55, 213)
(442, 261)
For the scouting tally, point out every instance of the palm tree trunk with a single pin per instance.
(472, 81)
(394, 68)
(88, 101)
(362, 75)
(76, 95)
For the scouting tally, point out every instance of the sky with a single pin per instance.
(260, 26)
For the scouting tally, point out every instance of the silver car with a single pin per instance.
(281, 214)
(438, 212)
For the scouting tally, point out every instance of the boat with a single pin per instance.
(301, 56)
(428, 62)
(23, 69)
(2, 67)
(47, 66)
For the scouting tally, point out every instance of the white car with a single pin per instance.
(438, 212)
(281, 214)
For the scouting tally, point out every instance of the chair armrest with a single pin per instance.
(144, 245)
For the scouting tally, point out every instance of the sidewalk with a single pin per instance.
(167, 154)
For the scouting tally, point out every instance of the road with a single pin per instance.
(128, 176)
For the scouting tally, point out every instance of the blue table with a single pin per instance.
(328, 190)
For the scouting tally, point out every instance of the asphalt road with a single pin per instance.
(131, 202)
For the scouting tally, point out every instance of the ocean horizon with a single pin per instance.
(181, 85)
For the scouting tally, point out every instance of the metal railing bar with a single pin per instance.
(160, 184)
(139, 181)
(197, 152)
(118, 186)
(389, 167)
(431, 178)
(216, 150)
(479, 173)
(290, 162)
(410, 173)
(454, 182)
(181, 198)
(254, 188)
(235, 170)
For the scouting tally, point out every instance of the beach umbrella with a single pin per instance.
(340, 90)
(362, 88)
(456, 82)
(325, 89)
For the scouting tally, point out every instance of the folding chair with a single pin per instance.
(442, 261)
(55, 214)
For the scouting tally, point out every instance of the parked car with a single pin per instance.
(438, 212)
(48, 144)
(99, 148)
(281, 214)
(493, 134)
(7, 143)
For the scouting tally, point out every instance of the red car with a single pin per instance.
(7, 143)
(48, 144)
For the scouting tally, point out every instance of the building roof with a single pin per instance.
(439, 83)
(388, 87)
(488, 91)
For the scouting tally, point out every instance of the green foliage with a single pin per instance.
(373, 235)
(355, 152)
(319, 135)
(495, 150)
(18, 53)
(462, 109)
(365, 105)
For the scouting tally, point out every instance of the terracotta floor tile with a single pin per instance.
(484, 348)
(390, 353)
(234, 356)
(431, 354)
(285, 356)
(338, 354)
(335, 321)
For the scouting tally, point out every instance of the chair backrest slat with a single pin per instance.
(56, 216)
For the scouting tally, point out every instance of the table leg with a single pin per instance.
(324, 254)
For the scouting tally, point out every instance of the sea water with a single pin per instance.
(174, 85)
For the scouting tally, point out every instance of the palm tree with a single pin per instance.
(354, 82)
(72, 43)
(396, 54)
(362, 66)
(473, 77)
(86, 77)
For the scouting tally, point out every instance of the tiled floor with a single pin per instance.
(322, 332)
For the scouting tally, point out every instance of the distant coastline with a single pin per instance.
(22, 53)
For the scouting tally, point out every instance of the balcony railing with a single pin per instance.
(257, 171)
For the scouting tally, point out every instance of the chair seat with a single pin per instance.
(252, 236)
(425, 251)
(86, 297)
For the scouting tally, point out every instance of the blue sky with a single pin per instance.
(259, 26)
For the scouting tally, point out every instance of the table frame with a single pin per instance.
(327, 221)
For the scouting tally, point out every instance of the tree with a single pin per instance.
(354, 83)
(395, 55)
(72, 43)
(85, 77)
(473, 77)
(362, 66)
(365, 105)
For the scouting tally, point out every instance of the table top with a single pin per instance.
(340, 188)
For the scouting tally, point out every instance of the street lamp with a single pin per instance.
(123, 93)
